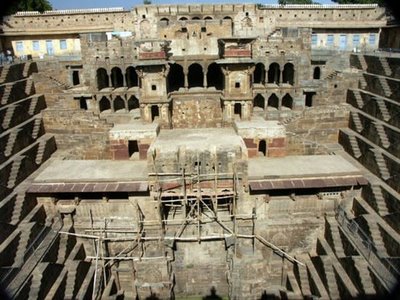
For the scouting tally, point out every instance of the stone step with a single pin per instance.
(12, 137)
(385, 66)
(331, 283)
(385, 86)
(377, 238)
(17, 211)
(36, 282)
(36, 128)
(359, 99)
(332, 235)
(4, 73)
(382, 134)
(8, 117)
(380, 161)
(357, 121)
(380, 200)
(362, 267)
(14, 172)
(354, 146)
(40, 151)
(362, 83)
(383, 109)
(33, 104)
(6, 94)
(23, 244)
(28, 87)
(362, 61)
(25, 71)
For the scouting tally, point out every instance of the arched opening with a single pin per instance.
(176, 78)
(75, 78)
(195, 18)
(117, 80)
(287, 101)
(273, 102)
(131, 77)
(165, 21)
(133, 149)
(119, 104)
(317, 73)
(104, 104)
(259, 102)
(230, 19)
(133, 103)
(259, 74)
(208, 18)
(195, 76)
(237, 110)
(274, 72)
(102, 79)
(262, 148)
(288, 74)
(215, 77)
(183, 19)
(155, 112)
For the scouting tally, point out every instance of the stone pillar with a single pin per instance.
(124, 83)
(144, 112)
(205, 80)
(280, 75)
(186, 84)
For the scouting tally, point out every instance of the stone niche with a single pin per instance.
(262, 138)
(131, 141)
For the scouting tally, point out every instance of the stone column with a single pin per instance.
(186, 84)
(124, 83)
(205, 79)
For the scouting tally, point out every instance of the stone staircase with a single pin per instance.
(385, 66)
(4, 73)
(385, 86)
(383, 109)
(332, 235)
(359, 99)
(380, 161)
(36, 128)
(362, 83)
(331, 283)
(332, 74)
(377, 238)
(71, 279)
(6, 94)
(24, 239)
(18, 206)
(382, 134)
(28, 87)
(33, 104)
(356, 120)
(8, 116)
(318, 288)
(354, 146)
(362, 267)
(301, 273)
(362, 61)
(41, 150)
(25, 71)
(381, 206)
(12, 179)
(36, 282)
(12, 137)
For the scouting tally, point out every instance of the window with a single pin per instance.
(356, 40)
(371, 39)
(35, 46)
(19, 46)
(237, 85)
(153, 87)
(63, 44)
(329, 40)
(314, 39)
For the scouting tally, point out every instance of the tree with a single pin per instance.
(27, 5)
(146, 2)
(380, 2)
(284, 2)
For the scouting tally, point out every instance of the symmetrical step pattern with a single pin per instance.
(10, 142)
(380, 161)
(380, 200)
(354, 146)
(363, 271)
(23, 244)
(385, 66)
(363, 62)
(385, 86)
(6, 94)
(382, 134)
(357, 121)
(332, 235)
(8, 117)
(362, 83)
(382, 107)
(14, 172)
(4, 73)
(331, 282)
(18, 206)
(359, 99)
(377, 238)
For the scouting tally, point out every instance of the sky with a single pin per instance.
(128, 4)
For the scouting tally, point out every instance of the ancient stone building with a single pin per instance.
(191, 151)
